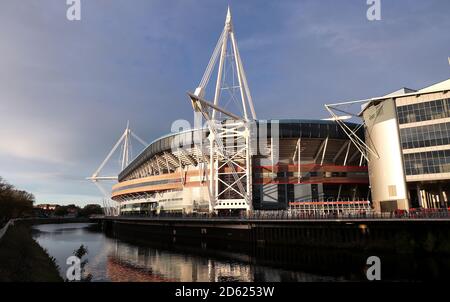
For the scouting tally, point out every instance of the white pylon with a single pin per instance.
(125, 156)
(220, 55)
(230, 177)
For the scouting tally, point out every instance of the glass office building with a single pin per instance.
(410, 130)
(424, 123)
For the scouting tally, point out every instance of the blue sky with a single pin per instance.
(68, 88)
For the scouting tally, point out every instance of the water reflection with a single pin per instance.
(139, 263)
(135, 257)
(61, 240)
(111, 259)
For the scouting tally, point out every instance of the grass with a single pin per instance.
(22, 259)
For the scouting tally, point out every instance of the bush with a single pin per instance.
(14, 203)
(91, 209)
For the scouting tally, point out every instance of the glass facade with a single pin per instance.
(424, 111)
(425, 136)
(427, 162)
(424, 191)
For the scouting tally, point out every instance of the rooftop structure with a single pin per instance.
(407, 146)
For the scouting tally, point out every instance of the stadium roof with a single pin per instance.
(289, 128)
(438, 87)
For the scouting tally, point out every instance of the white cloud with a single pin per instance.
(27, 137)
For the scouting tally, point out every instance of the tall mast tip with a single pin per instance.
(228, 19)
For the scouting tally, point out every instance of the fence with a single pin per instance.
(331, 207)
(298, 215)
(5, 228)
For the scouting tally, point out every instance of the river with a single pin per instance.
(112, 258)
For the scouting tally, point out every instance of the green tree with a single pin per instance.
(61, 211)
(66, 210)
(91, 209)
(14, 203)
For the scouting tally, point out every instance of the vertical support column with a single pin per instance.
(212, 199)
(419, 196)
(354, 192)
(324, 150)
(442, 203)
(339, 192)
(346, 155)
(248, 159)
(299, 143)
(272, 155)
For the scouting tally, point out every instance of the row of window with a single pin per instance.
(427, 162)
(424, 111)
(171, 199)
(425, 136)
(309, 174)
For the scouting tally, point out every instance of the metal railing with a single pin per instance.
(438, 214)
(5, 228)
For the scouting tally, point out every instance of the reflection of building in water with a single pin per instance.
(224, 271)
(139, 264)
(119, 271)
(132, 263)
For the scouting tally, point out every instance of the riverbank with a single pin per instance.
(23, 259)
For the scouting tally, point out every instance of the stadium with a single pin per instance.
(316, 164)
(237, 163)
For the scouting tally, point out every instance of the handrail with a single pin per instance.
(5, 228)
(293, 215)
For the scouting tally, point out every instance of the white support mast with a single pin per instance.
(124, 143)
(221, 49)
(230, 184)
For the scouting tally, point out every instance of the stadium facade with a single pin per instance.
(307, 161)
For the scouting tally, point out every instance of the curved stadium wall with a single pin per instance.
(309, 161)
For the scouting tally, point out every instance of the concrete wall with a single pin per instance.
(386, 173)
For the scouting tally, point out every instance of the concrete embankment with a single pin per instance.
(23, 259)
(392, 235)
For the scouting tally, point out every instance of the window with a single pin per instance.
(427, 162)
(424, 111)
(392, 190)
(425, 136)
